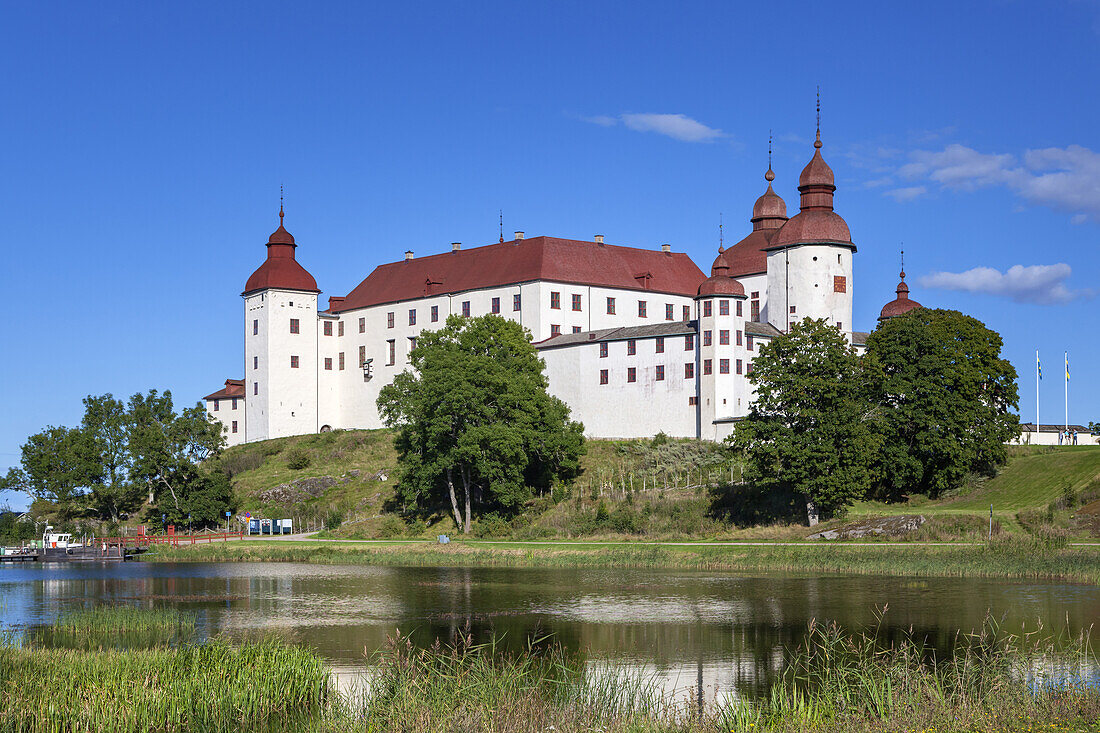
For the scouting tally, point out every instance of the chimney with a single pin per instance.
(599, 239)
(519, 236)
(666, 248)
(591, 337)
(455, 246)
(334, 302)
(408, 255)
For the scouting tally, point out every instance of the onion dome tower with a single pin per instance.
(280, 343)
(748, 257)
(810, 257)
(901, 304)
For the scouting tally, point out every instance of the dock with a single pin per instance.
(112, 549)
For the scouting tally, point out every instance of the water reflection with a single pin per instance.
(724, 633)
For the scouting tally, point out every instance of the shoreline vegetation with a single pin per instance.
(1006, 556)
(835, 680)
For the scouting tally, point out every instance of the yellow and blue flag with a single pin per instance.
(1067, 366)
(1038, 366)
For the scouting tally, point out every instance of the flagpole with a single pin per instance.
(1067, 391)
(1038, 426)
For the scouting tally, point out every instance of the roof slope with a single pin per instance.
(526, 260)
(232, 388)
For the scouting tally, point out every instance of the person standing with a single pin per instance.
(1059, 437)
(1075, 436)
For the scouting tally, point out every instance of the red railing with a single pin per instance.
(173, 540)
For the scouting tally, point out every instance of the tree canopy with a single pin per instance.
(473, 416)
(122, 453)
(946, 394)
(811, 428)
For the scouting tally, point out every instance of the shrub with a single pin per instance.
(334, 519)
(233, 464)
(391, 526)
(297, 459)
(271, 448)
(492, 525)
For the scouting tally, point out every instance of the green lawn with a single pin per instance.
(1035, 480)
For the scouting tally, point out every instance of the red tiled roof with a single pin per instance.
(901, 304)
(280, 269)
(526, 260)
(232, 388)
(747, 257)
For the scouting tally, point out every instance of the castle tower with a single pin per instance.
(720, 304)
(280, 343)
(810, 257)
(901, 304)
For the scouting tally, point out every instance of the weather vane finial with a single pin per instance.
(817, 142)
(903, 263)
(721, 239)
(770, 175)
(280, 204)
(502, 226)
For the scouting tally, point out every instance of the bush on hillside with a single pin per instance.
(391, 526)
(271, 448)
(297, 459)
(234, 463)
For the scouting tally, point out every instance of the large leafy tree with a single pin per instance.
(55, 466)
(947, 395)
(105, 427)
(475, 424)
(811, 428)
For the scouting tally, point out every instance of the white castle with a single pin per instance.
(635, 341)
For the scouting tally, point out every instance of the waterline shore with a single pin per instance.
(1003, 558)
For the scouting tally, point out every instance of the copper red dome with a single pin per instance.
(815, 225)
(280, 269)
(769, 207)
(721, 284)
(901, 304)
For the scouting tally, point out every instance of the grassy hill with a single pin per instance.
(656, 488)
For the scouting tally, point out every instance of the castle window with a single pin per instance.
(362, 355)
(555, 300)
(839, 326)
(255, 388)
(391, 351)
(340, 328)
(706, 338)
(255, 362)
(659, 373)
(293, 362)
(693, 400)
(689, 342)
(217, 405)
(723, 307)
(610, 306)
(576, 329)
(687, 312)
(412, 316)
(706, 366)
(435, 313)
(294, 325)
(234, 403)
(838, 258)
(669, 311)
(792, 309)
(706, 309)
(738, 338)
(603, 349)
(555, 330)
(362, 325)
(255, 327)
(738, 366)
(603, 376)
(517, 299)
(340, 360)
(660, 345)
(328, 328)
(723, 366)
(328, 363)
(754, 310)
(632, 374)
(495, 305)
(724, 337)
(234, 426)
(389, 320)
(840, 283)
(466, 308)
(631, 347)
(689, 370)
(641, 309)
(739, 308)
(749, 344)
(576, 301)
(749, 370)
(412, 345)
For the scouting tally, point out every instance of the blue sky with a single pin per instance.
(144, 145)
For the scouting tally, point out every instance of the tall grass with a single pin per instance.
(115, 627)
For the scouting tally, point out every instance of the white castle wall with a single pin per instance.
(229, 410)
(811, 292)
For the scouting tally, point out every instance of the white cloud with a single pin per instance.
(677, 126)
(1039, 284)
(906, 194)
(1065, 179)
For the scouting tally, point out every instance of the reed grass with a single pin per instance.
(115, 627)
(1007, 556)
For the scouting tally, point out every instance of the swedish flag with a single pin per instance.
(1039, 366)
(1067, 367)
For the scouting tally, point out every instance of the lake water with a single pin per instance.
(725, 632)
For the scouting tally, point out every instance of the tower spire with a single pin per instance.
(502, 226)
(721, 239)
(770, 175)
(903, 264)
(280, 204)
(817, 142)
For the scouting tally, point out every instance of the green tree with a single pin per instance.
(105, 428)
(947, 395)
(165, 448)
(811, 428)
(473, 414)
(55, 466)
